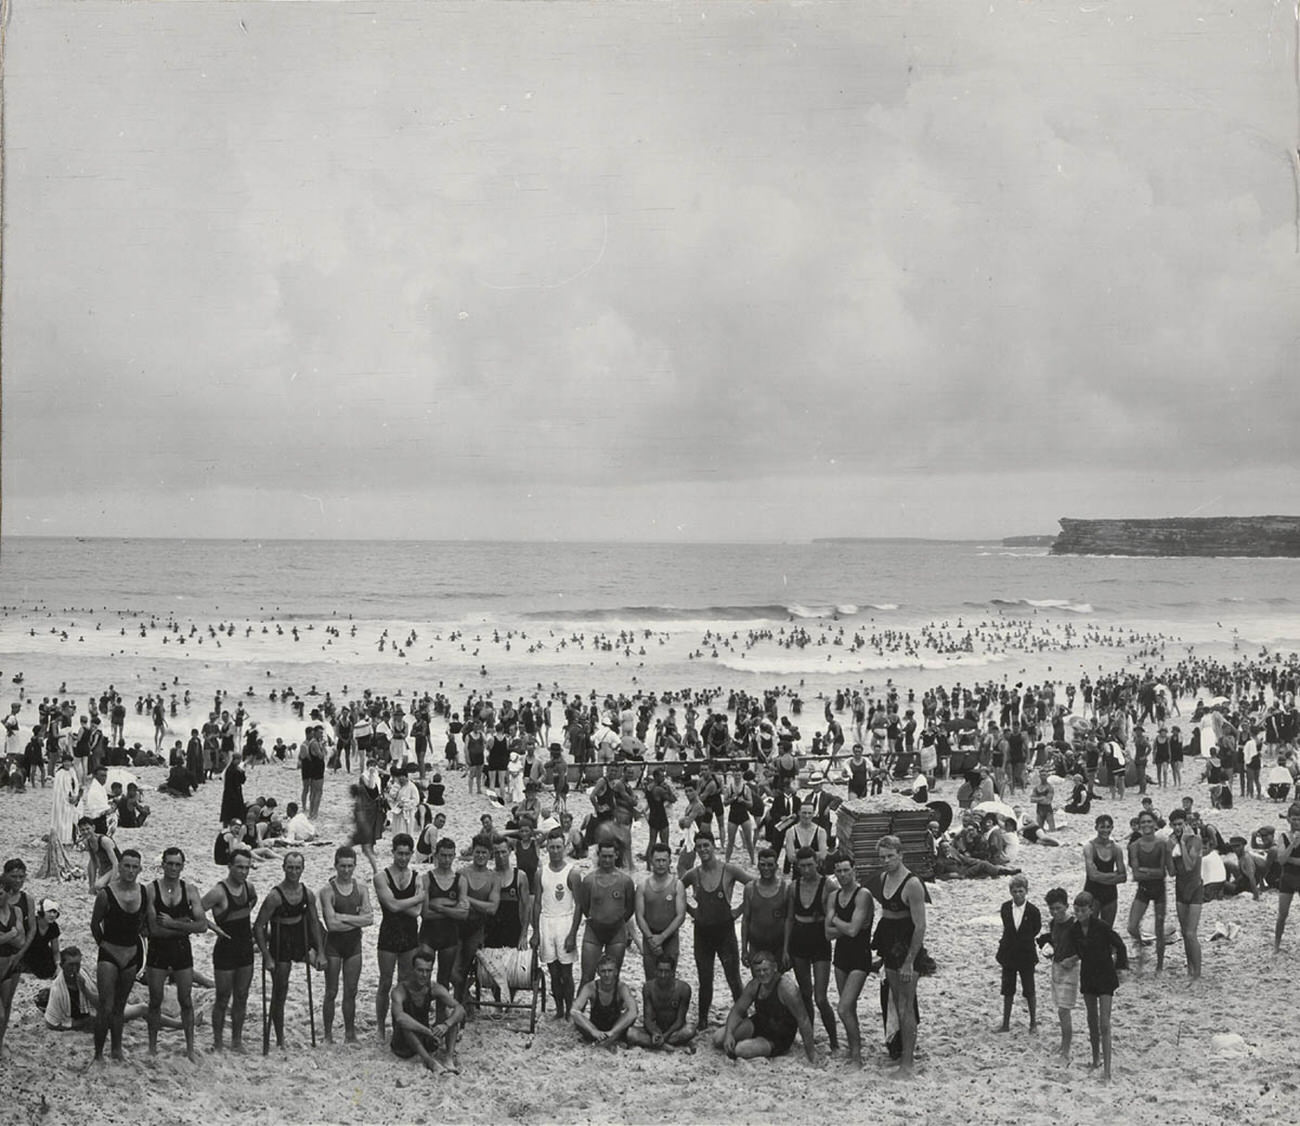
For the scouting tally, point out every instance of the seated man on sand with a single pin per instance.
(413, 998)
(666, 1002)
(609, 1004)
(766, 1016)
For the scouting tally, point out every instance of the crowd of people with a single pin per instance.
(750, 789)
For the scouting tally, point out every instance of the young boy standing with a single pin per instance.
(1017, 954)
(1065, 965)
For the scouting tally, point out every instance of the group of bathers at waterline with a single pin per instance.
(443, 918)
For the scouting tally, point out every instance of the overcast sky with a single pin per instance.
(647, 271)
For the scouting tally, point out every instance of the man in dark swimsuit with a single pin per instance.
(778, 1013)
(508, 928)
(345, 912)
(607, 898)
(116, 924)
(173, 912)
(413, 1034)
(899, 938)
(715, 920)
(400, 892)
(611, 1008)
(230, 903)
(288, 930)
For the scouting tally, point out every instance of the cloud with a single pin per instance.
(531, 247)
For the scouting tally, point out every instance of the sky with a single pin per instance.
(647, 271)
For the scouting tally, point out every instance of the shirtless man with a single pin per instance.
(607, 898)
(483, 897)
(116, 923)
(556, 916)
(230, 903)
(173, 912)
(665, 1006)
(611, 1008)
(346, 912)
(715, 920)
(763, 909)
(413, 1033)
(287, 931)
(400, 891)
(1149, 861)
(660, 910)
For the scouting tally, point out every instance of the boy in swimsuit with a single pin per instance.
(666, 1003)
(116, 924)
(1065, 965)
(1287, 858)
(1189, 888)
(345, 913)
(611, 1008)
(1150, 862)
(287, 930)
(413, 1033)
(173, 912)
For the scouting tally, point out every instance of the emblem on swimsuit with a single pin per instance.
(559, 891)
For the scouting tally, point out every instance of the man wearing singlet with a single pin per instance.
(483, 896)
(508, 928)
(414, 1034)
(400, 891)
(660, 910)
(287, 930)
(807, 947)
(665, 1007)
(715, 920)
(230, 903)
(117, 923)
(849, 917)
(556, 916)
(446, 906)
(345, 912)
(1150, 862)
(173, 912)
(805, 833)
(764, 908)
(607, 898)
(766, 1016)
(899, 939)
(611, 1008)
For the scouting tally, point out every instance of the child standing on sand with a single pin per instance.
(1101, 954)
(1065, 965)
(1017, 954)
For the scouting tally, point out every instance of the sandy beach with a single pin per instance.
(1168, 1064)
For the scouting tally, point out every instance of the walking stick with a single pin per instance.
(311, 1007)
(266, 1020)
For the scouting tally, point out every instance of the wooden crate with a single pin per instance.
(860, 833)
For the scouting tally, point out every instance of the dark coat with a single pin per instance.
(1018, 948)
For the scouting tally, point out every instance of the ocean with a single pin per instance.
(667, 598)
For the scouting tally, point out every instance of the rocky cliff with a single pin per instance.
(1208, 535)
